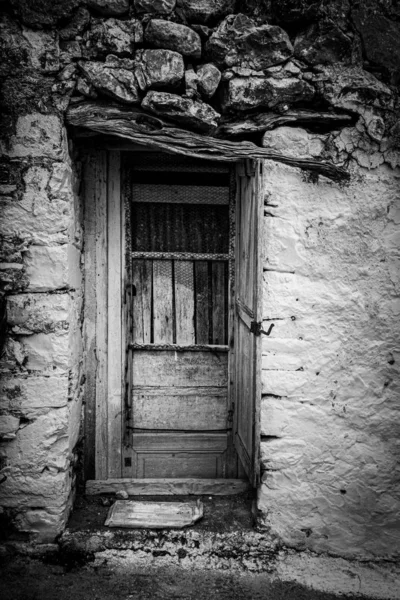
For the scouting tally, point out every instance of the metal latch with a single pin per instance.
(256, 328)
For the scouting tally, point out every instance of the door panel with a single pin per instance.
(178, 397)
(180, 455)
(248, 317)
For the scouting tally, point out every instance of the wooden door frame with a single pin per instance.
(104, 332)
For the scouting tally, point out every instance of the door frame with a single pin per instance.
(105, 321)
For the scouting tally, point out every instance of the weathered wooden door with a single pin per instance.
(248, 315)
(179, 238)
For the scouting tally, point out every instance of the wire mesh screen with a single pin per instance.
(180, 228)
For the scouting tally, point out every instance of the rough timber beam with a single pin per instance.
(144, 129)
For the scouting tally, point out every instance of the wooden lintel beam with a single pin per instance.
(146, 130)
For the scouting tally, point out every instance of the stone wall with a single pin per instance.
(308, 80)
(40, 406)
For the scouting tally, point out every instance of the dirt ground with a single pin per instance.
(27, 579)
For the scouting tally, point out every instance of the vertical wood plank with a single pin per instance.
(141, 301)
(162, 302)
(115, 347)
(89, 331)
(218, 303)
(127, 321)
(184, 302)
(202, 313)
(101, 316)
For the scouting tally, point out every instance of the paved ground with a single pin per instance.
(26, 579)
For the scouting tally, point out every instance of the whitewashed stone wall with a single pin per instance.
(330, 406)
(40, 396)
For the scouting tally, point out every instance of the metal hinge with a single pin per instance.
(256, 328)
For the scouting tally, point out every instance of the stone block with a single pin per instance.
(119, 84)
(47, 268)
(195, 115)
(44, 13)
(208, 79)
(290, 355)
(8, 427)
(245, 93)
(113, 36)
(40, 453)
(239, 42)
(294, 141)
(43, 50)
(36, 216)
(205, 12)
(158, 68)
(325, 43)
(46, 352)
(43, 525)
(36, 135)
(173, 36)
(32, 395)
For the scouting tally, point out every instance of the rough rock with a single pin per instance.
(43, 50)
(239, 41)
(47, 268)
(191, 81)
(205, 11)
(352, 88)
(76, 25)
(208, 79)
(195, 115)
(158, 68)
(294, 141)
(165, 34)
(85, 88)
(37, 313)
(119, 84)
(324, 43)
(380, 36)
(111, 8)
(44, 12)
(242, 93)
(113, 36)
(36, 135)
(160, 7)
(8, 427)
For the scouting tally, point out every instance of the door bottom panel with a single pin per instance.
(179, 455)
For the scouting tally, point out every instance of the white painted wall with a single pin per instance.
(330, 406)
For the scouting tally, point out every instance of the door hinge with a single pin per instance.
(256, 328)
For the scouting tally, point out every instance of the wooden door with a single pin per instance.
(177, 412)
(248, 316)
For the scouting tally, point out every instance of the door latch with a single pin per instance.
(256, 328)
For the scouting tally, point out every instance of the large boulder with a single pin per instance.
(189, 113)
(239, 41)
(208, 78)
(113, 36)
(110, 8)
(245, 93)
(205, 11)
(173, 36)
(155, 7)
(158, 68)
(324, 43)
(119, 84)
